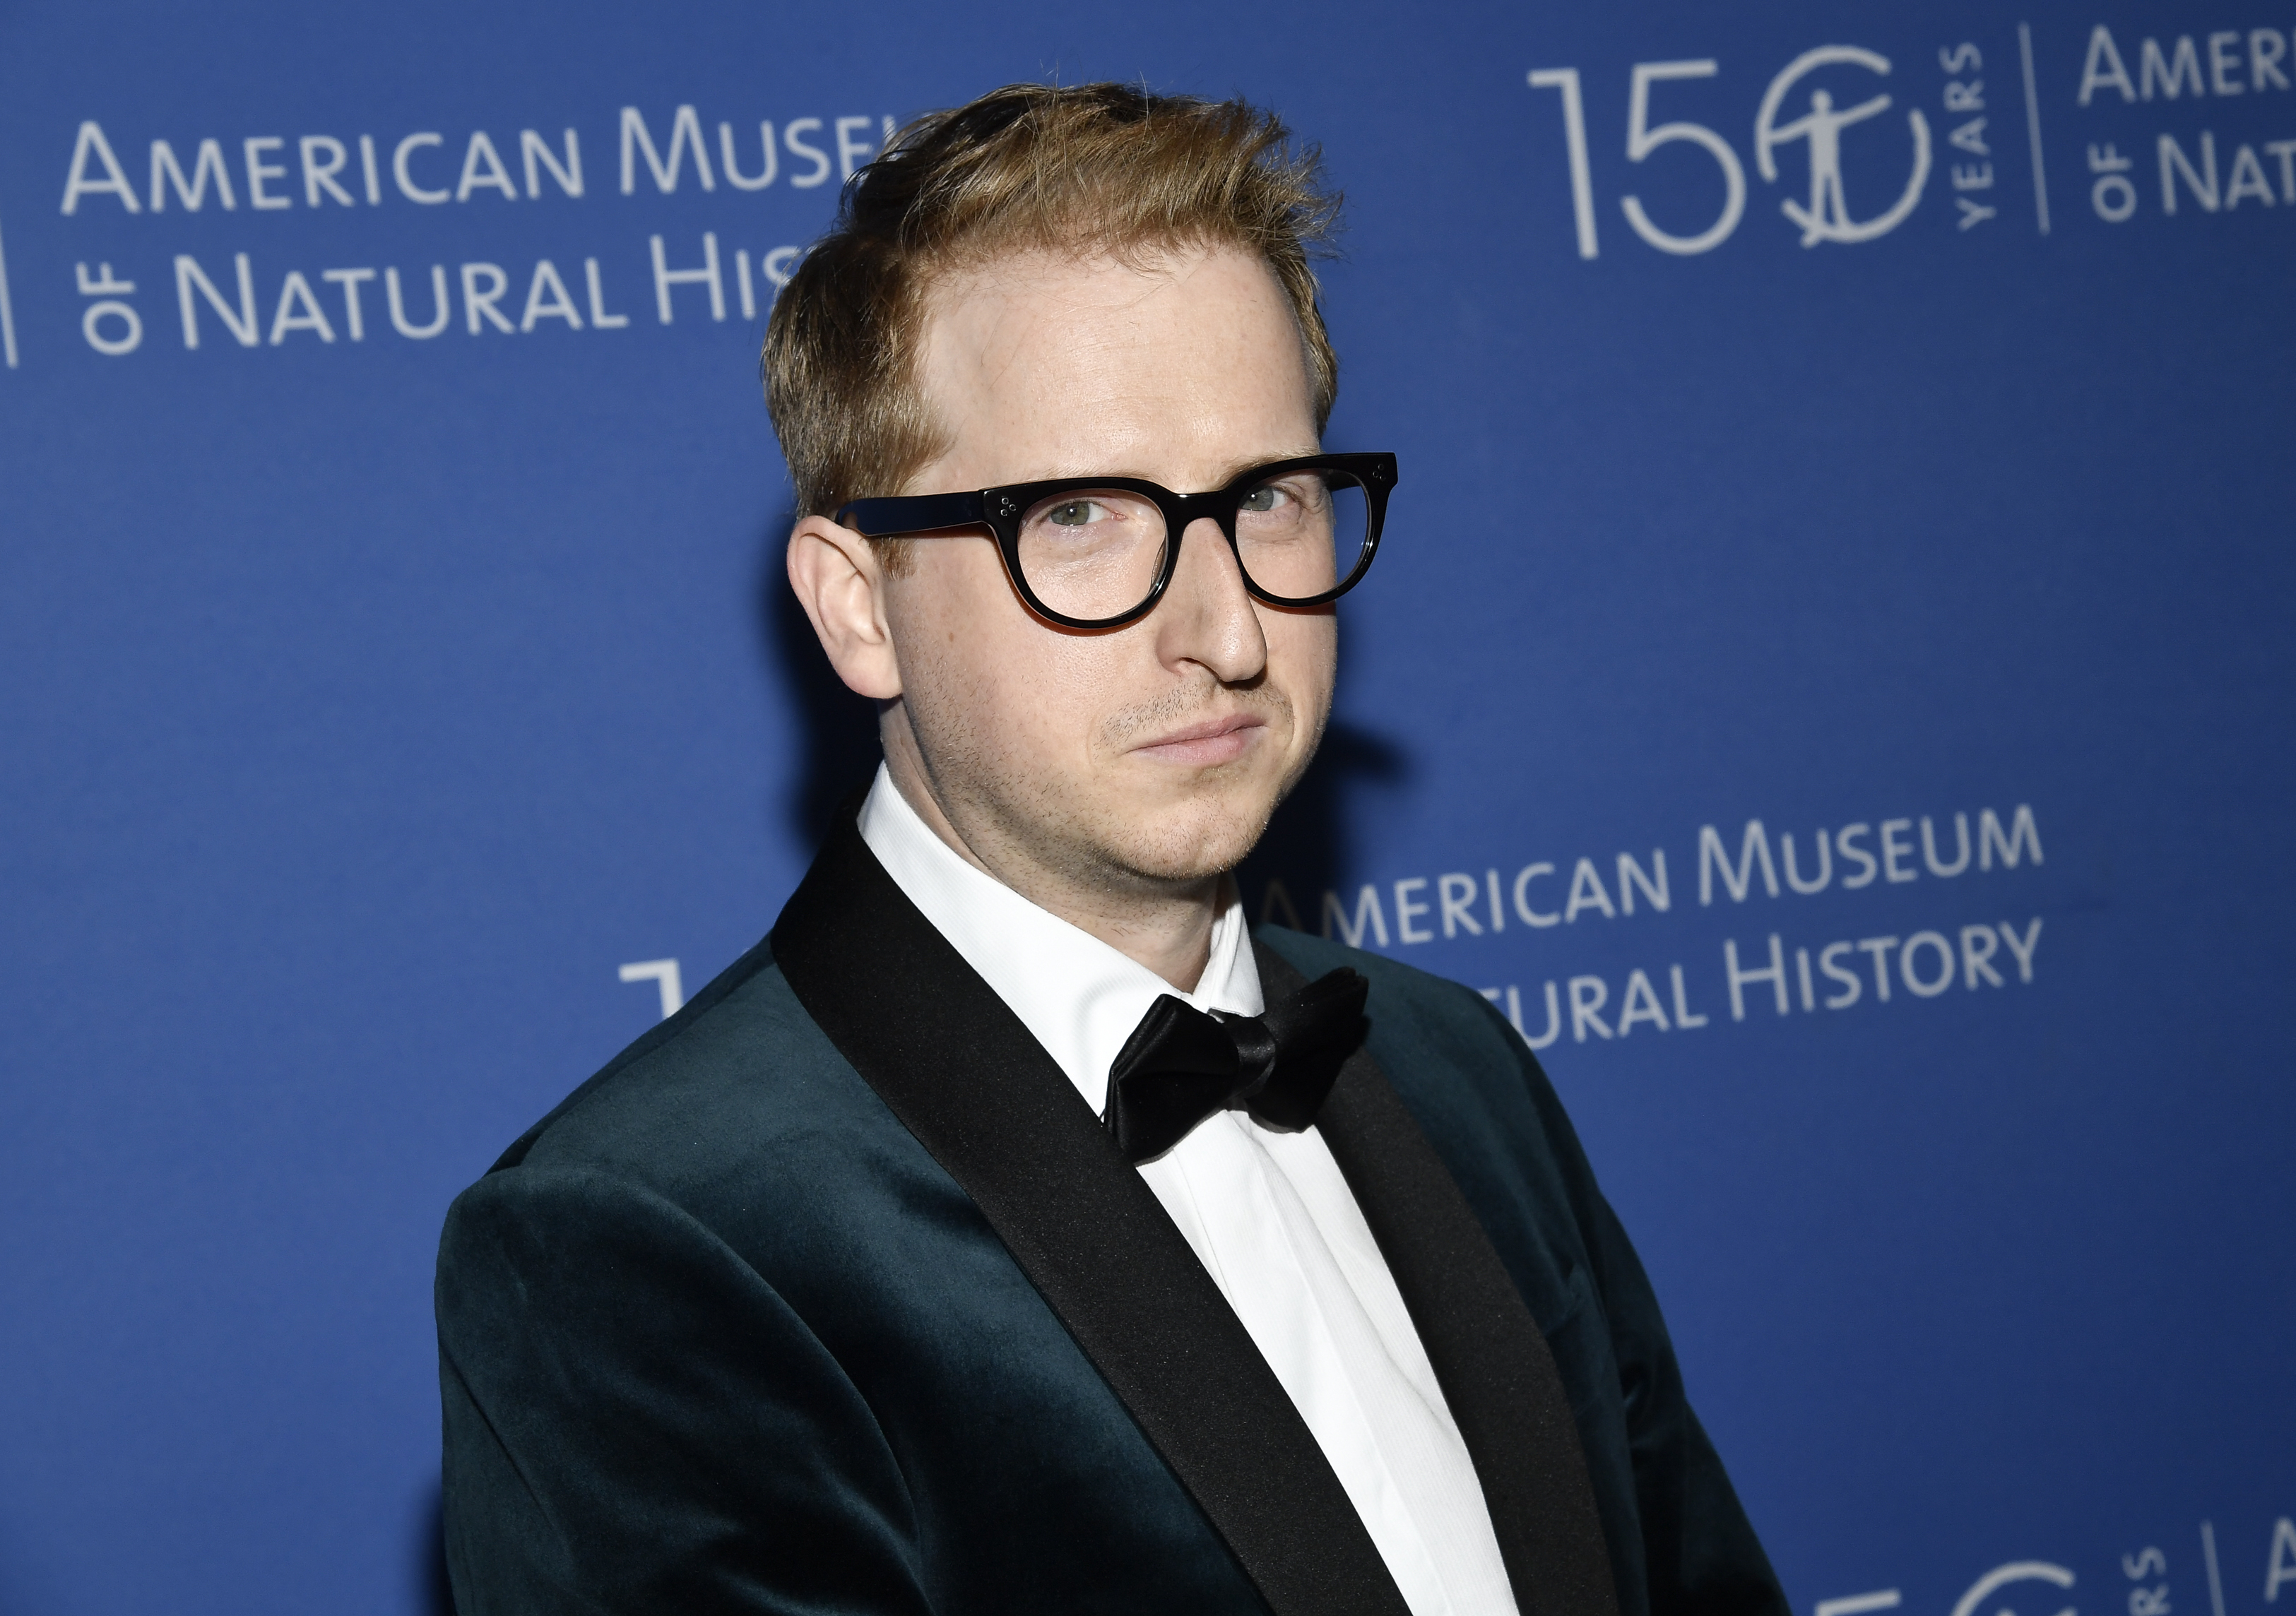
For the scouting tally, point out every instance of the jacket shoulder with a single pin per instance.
(738, 1076)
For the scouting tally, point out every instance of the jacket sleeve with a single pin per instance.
(635, 1421)
(1698, 1552)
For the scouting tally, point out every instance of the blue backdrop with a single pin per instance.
(1829, 677)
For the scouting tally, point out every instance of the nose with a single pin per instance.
(1207, 616)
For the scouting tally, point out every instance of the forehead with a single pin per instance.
(1182, 366)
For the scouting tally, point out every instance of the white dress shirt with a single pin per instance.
(1268, 1213)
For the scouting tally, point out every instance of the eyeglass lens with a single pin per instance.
(1094, 553)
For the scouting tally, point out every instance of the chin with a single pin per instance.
(1193, 841)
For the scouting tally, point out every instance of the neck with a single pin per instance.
(1169, 930)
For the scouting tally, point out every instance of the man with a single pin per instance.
(1012, 1230)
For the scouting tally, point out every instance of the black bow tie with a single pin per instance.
(1182, 1064)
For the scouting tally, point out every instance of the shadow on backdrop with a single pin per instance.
(432, 1587)
(1307, 848)
(1310, 844)
(837, 729)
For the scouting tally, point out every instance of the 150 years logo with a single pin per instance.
(1825, 217)
(1794, 111)
(2199, 111)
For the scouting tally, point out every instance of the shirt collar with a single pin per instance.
(1080, 998)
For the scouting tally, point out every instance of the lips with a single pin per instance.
(1212, 740)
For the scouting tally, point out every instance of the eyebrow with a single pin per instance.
(1234, 470)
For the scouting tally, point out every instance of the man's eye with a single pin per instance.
(1262, 499)
(1072, 513)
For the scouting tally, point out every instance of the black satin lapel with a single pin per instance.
(966, 1077)
(1496, 1369)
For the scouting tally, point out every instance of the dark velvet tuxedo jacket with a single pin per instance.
(831, 1294)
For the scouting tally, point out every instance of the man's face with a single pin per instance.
(1149, 755)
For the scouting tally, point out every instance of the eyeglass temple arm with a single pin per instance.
(911, 513)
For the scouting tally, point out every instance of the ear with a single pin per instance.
(839, 582)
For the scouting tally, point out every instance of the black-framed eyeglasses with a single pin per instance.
(1099, 551)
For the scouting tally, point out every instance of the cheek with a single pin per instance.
(976, 670)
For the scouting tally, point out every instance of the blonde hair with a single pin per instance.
(1098, 168)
